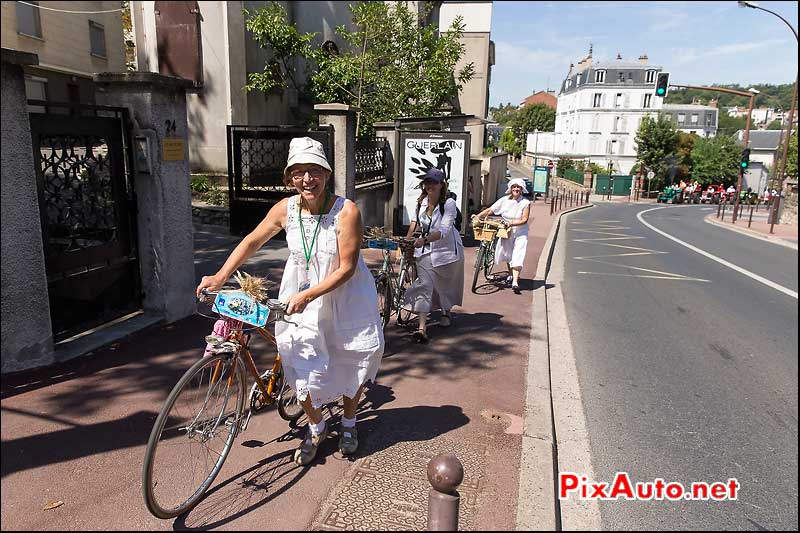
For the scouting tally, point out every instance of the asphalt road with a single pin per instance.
(687, 368)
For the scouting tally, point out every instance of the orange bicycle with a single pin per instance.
(204, 412)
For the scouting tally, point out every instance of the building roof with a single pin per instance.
(542, 97)
(762, 139)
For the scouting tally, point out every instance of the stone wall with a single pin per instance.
(213, 215)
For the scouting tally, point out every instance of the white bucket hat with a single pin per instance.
(517, 181)
(306, 150)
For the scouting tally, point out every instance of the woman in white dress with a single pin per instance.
(439, 254)
(336, 342)
(515, 209)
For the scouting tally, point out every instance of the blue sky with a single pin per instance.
(699, 43)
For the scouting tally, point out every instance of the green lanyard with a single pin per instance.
(308, 249)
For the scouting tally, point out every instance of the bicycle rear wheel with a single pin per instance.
(193, 434)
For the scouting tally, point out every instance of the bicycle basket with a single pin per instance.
(241, 306)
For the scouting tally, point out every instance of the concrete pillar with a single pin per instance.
(587, 178)
(157, 104)
(27, 337)
(343, 119)
(388, 131)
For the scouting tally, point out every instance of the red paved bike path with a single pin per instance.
(76, 432)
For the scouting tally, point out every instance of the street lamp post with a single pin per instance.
(788, 135)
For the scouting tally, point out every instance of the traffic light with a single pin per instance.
(745, 159)
(662, 84)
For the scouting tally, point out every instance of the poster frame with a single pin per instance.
(405, 135)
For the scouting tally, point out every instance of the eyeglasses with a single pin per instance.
(314, 173)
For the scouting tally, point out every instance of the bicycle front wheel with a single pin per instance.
(384, 289)
(479, 263)
(193, 434)
(404, 314)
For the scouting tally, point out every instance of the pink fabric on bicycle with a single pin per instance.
(222, 328)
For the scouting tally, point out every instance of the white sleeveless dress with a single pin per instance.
(337, 342)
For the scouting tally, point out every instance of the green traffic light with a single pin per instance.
(660, 91)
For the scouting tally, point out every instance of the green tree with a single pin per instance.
(716, 160)
(392, 66)
(503, 114)
(534, 117)
(127, 35)
(656, 143)
(775, 125)
(509, 142)
(563, 165)
(729, 125)
(683, 151)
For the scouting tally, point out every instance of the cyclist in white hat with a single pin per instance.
(335, 343)
(515, 209)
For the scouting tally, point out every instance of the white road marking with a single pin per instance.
(672, 278)
(739, 269)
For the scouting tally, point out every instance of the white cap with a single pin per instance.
(306, 150)
(517, 181)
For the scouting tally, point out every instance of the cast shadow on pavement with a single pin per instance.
(75, 442)
(272, 477)
(244, 492)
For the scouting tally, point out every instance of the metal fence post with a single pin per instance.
(445, 474)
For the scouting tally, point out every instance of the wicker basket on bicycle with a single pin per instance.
(488, 229)
(407, 247)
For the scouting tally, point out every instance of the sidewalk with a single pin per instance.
(758, 228)
(76, 432)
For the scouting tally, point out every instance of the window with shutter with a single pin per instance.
(28, 22)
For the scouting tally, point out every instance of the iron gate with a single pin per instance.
(256, 158)
(87, 209)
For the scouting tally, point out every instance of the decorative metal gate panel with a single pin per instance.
(256, 159)
(87, 209)
(372, 162)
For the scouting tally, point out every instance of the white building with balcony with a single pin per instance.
(600, 107)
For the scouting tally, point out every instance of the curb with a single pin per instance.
(537, 504)
(711, 219)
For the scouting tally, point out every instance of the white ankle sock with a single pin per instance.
(348, 422)
(316, 429)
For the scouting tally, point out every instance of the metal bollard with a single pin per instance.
(724, 205)
(445, 474)
(552, 203)
(561, 205)
(751, 216)
(719, 206)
